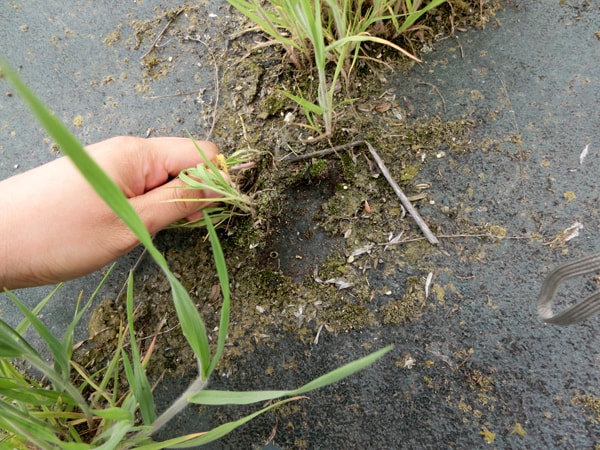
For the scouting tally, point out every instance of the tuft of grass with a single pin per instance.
(72, 409)
(215, 176)
(329, 33)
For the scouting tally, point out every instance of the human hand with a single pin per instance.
(54, 227)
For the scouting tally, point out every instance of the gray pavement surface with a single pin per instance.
(533, 73)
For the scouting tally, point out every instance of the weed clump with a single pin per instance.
(327, 33)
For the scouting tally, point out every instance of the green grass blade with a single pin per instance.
(413, 15)
(224, 283)
(114, 413)
(243, 155)
(25, 393)
(24, 325)
(24, 425)
(192, 326)
(216, 397)
(138, 381)
(313, 108)
(343, 372)
(69, 333)
(211, 397)
(264, 19)
(59, 353)
(9, 348)
(12, 342)
(114, 435)
(75, 446)
(212, 435)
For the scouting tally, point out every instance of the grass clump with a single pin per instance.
(327, 34)
(215, 176)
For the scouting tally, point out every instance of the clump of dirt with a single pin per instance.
(301, 264)
(590, 403)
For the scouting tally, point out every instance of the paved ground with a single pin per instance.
(484, 366)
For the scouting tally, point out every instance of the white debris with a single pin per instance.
(339, 282)
(584, 153)
(572, 231)
(409, 362)
(393, 240)
(316, 341)
(428, 284)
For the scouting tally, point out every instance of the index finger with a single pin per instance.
(170, 155)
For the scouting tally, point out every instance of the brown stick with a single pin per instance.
(403, 198)
(160, 35)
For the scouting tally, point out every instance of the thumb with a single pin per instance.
(169, 203)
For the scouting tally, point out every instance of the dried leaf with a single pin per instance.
(428, 284)
(339, 282)
(383, 107)
(519, 430)
(566, 235)
(359, 251)
(393, 240)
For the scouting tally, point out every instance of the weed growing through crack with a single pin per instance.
(69, 408)
(330, 33)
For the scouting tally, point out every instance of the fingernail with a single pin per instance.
(196, 216)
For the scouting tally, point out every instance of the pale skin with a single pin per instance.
(54, 227)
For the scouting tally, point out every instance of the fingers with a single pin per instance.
(166, 157)
(169, 203)
(164, 204)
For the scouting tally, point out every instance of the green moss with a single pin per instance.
(349, 316)
(272, 105)
(407, 308)
(318, 168)
(409, 172)
(349, 166)
(414, 252)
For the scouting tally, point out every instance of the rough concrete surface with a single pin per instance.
(478, 370)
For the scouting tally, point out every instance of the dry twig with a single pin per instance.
(162, 32)
(403, 198)
(433, 86)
